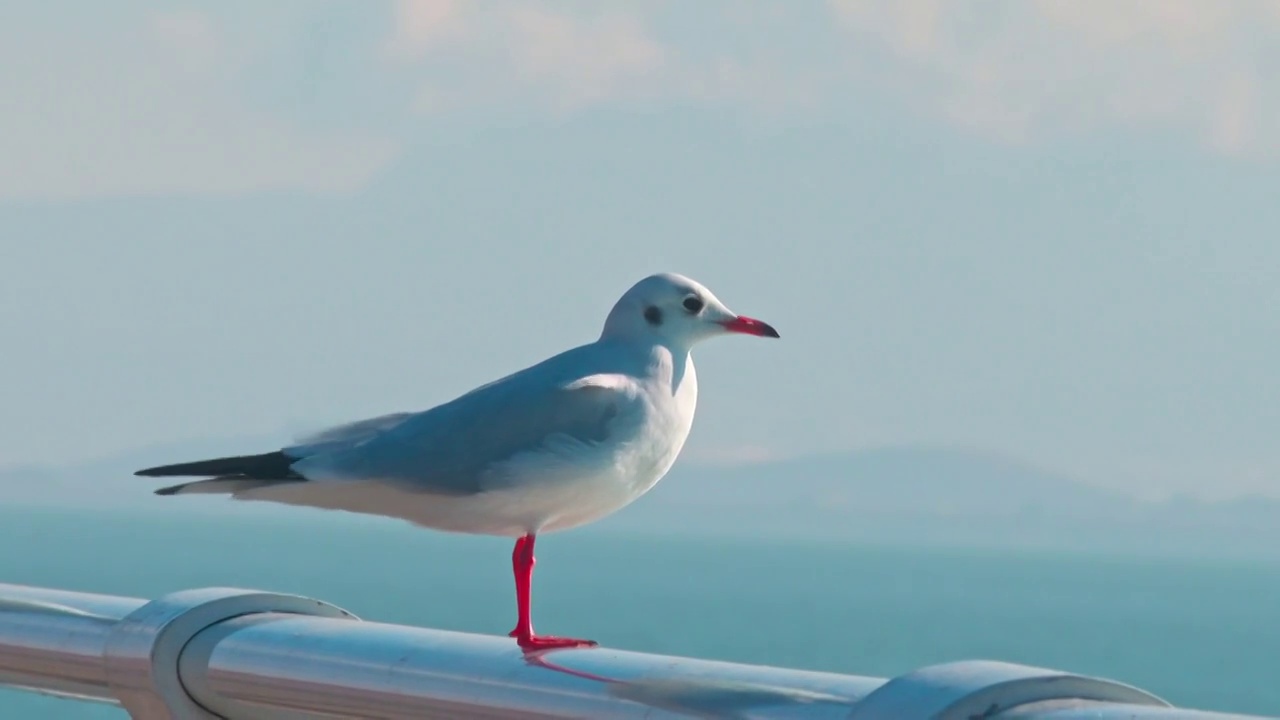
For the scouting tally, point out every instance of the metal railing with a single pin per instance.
(230, 653)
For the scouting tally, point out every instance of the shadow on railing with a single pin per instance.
(229, 653)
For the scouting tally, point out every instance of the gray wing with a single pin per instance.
(459, 448)
(341, 436)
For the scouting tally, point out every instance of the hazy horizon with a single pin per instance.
(910, 497)
(1047, 233)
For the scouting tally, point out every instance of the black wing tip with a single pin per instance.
(171, 470)
(266, 466)
(171, 490)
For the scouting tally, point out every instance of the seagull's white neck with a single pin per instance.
(666, 364)
(671, 366)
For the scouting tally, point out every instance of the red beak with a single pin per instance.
(750, 326)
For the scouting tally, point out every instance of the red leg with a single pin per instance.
(522, 563)
(522, 568)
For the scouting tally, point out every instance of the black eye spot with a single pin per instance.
(653, 315)
(693, 304)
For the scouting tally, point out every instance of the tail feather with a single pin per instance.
(267, 466)
(220, 486)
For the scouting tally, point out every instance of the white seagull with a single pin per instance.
(559, 444)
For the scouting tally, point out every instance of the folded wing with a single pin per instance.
(465, 446)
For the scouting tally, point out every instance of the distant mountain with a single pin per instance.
(941, 496)
(891, 480)
(894, 495)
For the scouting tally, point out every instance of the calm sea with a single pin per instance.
(1200, 634)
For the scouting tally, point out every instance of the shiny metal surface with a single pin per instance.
(295, 667)
(244, 654)
(982, 688)
(1095, 710)
(143, 649)
(52, 641)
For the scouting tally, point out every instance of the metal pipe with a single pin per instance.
(314, 667)
(228, 653)
(52, 641)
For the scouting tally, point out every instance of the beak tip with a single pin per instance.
(751, 326)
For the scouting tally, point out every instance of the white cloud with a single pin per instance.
(525, 51)
(158, 103)
(1021, 70)
(562, 58)
(153, 107)
(418, 24)
(188, 36)
(1016, 70)
(584, 60)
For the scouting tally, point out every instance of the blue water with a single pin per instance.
(1200, 634)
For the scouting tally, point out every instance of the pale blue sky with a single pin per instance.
(1046, 229)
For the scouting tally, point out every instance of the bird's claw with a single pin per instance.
(530, 643)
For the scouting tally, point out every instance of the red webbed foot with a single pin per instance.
(548, 642)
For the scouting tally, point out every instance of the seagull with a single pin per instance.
(554, 446)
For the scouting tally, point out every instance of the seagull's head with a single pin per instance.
(677, 310)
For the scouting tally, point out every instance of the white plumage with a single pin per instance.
(553, 446)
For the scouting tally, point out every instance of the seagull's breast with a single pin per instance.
(669, 418)
(642, 448)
